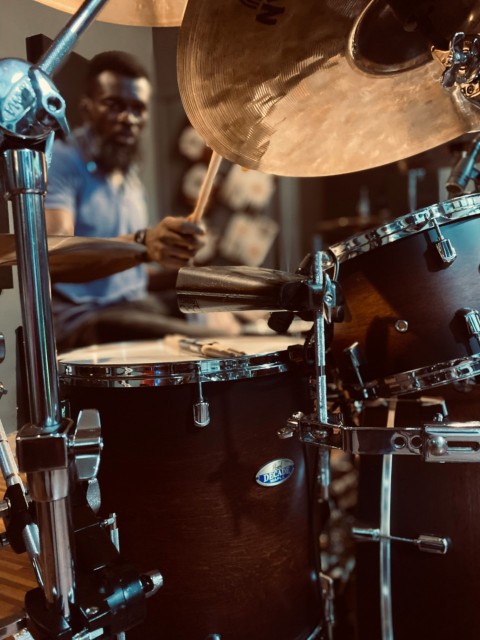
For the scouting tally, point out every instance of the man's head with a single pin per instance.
(115, 106)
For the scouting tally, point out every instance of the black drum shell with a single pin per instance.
(434, 597)
(238, 559)
(406, 281)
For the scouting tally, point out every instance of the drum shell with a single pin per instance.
(238, 559)
(434, 597)
(407, 281)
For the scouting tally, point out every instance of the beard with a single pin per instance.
(113, 156)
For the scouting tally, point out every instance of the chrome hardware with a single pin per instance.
(472, 318)
(328, 592)
(213, 636)
(111, 524)
(401, 326)
(452, 442)
(435, 442)
(87, 444)
(425, 542)
(445, 248)
(292, 426)
(323, 473)
(461, 63)
(357, 360)
(152, 581)
(3, 390)
(423, 378)
(201, 409)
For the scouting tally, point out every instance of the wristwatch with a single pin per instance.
(141, 236)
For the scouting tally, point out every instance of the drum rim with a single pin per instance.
(464, 206)
(174, 373)
(421, 379)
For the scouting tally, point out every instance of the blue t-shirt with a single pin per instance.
(101, 210)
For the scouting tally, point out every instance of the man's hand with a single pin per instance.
(173, 241)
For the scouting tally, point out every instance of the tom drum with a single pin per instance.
(411, 292)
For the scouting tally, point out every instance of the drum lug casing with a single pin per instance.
(472, 318)
(201, 409)
(445, 248)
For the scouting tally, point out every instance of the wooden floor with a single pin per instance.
(16, 576)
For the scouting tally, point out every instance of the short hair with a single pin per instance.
(119, 62)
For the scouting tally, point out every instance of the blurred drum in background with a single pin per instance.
(204, 489)
(411, 292)
(405, 586)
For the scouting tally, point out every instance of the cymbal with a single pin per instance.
(151, 13)
(78, 259)
(318, 87)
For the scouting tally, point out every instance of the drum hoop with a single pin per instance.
(173, 373)
(422, 379)
(465, 206)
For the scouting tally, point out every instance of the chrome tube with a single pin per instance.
(25, 181)
(385, 549)
(323, 472)
(68, 37)
(26, 185)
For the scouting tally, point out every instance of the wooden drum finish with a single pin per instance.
(433, 597)
(406, 308)
(238, 559)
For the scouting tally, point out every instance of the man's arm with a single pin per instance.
(59, 222)
(172, 242)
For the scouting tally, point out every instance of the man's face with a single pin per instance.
(117, 113)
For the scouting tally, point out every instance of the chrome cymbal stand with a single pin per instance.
(30, 109)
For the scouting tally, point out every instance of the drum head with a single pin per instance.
(154, 363)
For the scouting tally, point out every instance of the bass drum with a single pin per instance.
(411, 293)
(226, 512)
(402, 592)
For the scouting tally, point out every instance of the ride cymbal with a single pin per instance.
(287, 88)
(152, 13)
(76, 259)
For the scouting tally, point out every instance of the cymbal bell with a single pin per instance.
(152, 13)
(78, 259)
(316, 87)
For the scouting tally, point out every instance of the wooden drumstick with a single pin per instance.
(206, 188)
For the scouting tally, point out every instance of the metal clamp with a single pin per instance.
(435, 442)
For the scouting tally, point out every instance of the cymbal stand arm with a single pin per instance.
(67, 38)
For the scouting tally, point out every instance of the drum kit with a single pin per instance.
(216, 469)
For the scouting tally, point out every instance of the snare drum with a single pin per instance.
(412, 316)
(224, 511)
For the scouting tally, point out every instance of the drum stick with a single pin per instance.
(206, 188)
(208, 349)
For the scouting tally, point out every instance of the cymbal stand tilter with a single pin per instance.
(58, 456)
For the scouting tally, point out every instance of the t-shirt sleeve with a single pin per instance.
(63, 179)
